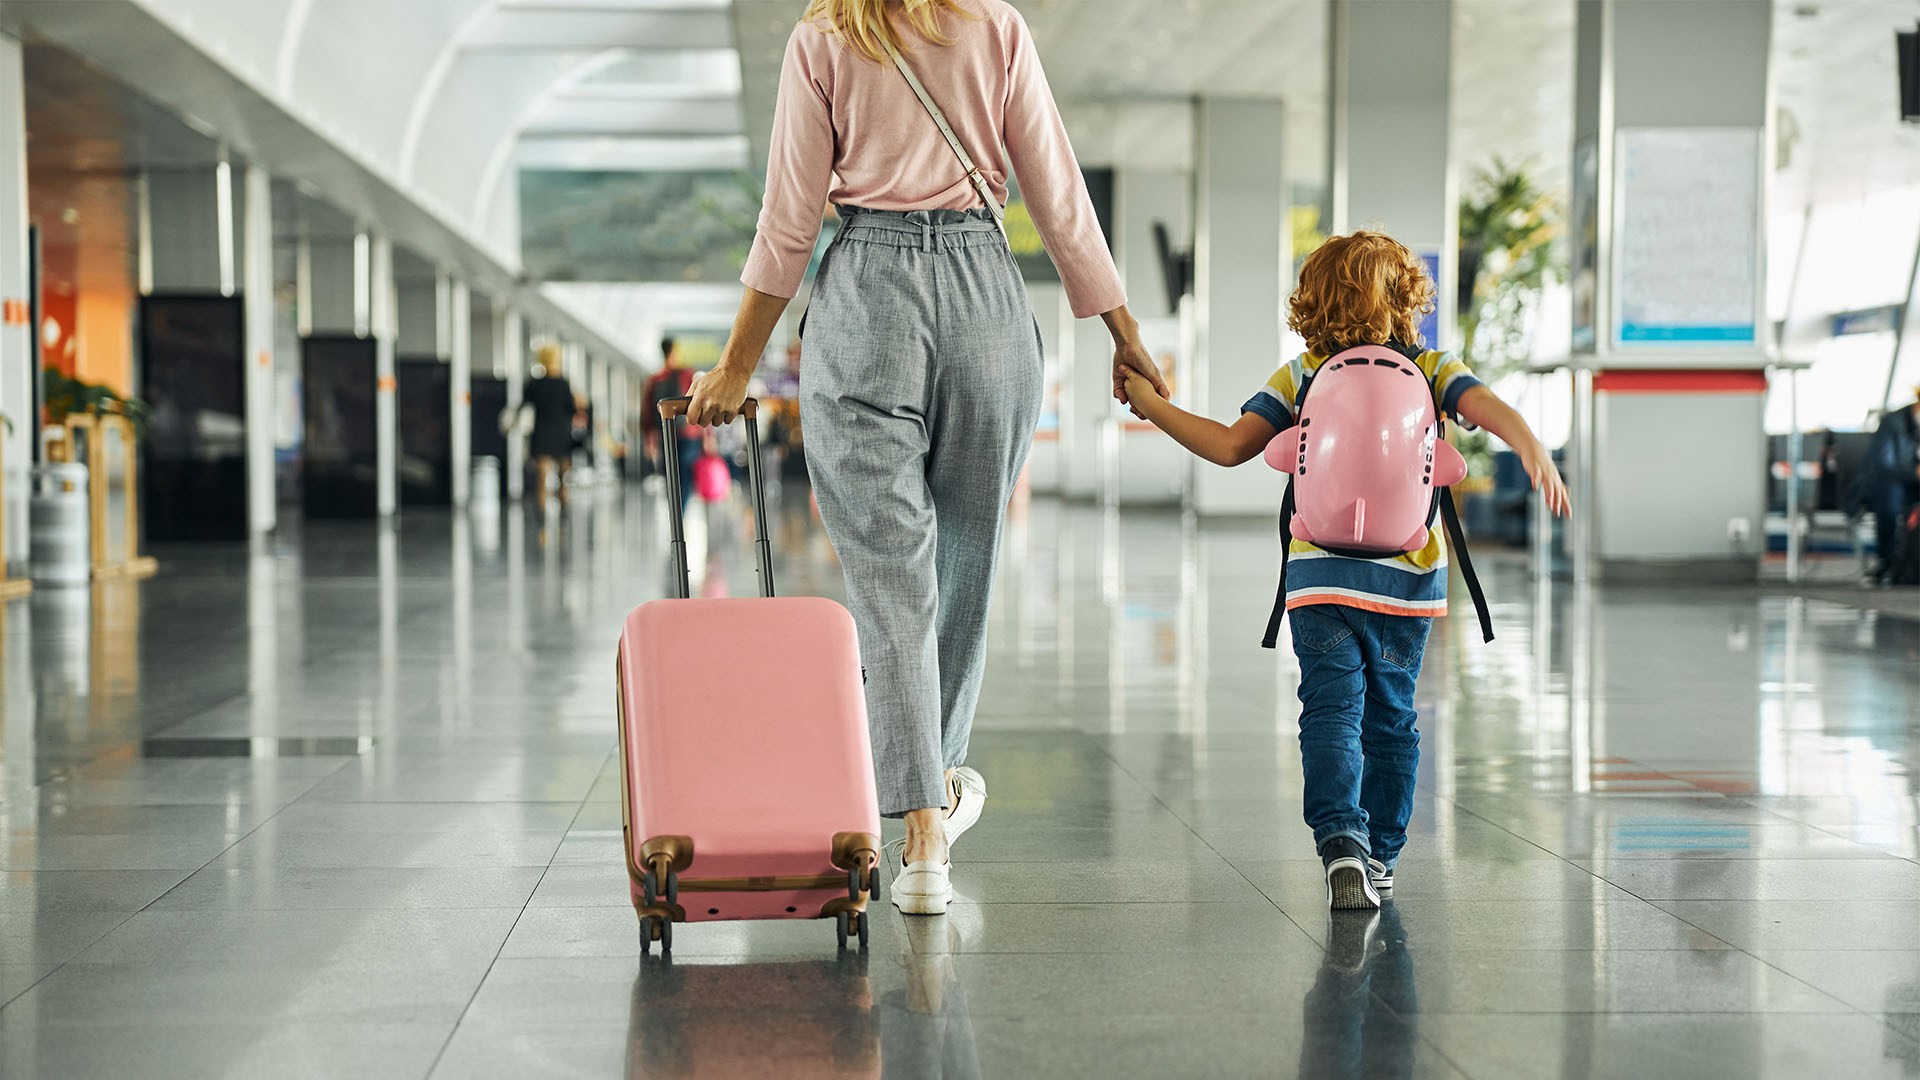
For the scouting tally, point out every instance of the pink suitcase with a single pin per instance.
(749, 794)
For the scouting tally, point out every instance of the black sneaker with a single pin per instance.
(1381, 875)
(1349, 886)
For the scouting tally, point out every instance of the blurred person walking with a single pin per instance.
(548, 402)
(921, 377)
(671, 381)
(1890, 481)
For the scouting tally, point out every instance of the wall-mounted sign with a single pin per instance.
(1879, 320)
(1686, 265)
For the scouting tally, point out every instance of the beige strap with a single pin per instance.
(940, 120)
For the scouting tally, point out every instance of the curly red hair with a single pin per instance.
(1362, 288)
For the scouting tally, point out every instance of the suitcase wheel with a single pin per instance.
(850, 923)
(653, 928)
(650, 885)
(864, 879)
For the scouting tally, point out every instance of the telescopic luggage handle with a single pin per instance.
(675, 408)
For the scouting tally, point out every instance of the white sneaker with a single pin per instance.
(1381, 875)
(969, 790)
(923, 888)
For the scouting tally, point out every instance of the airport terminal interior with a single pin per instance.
(311, 760)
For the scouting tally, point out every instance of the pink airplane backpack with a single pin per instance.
(1369, 468)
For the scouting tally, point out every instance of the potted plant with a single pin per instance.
(69, 396)
(1508, 229)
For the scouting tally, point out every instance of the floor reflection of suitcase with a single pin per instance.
(793, 1021)
(748, 789)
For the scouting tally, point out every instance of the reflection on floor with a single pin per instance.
(346, 807)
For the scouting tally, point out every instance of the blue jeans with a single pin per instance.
(690, 452)
(1359, 747)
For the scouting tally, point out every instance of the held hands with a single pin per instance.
(1137, 388)
(718, 396)
(1134, 366)
(1546, 478)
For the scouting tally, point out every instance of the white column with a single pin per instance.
(1086, 401)
(16, 343)
(511, 340)
(257, 292)
(1152, 469)
(617, 403)
(1242, 269)
(382, 318)
(599, 383)
(461, 426)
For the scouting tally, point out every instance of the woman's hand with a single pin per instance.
(1129, 354)
(717, 396)
(1130, 358)
(1546, 478)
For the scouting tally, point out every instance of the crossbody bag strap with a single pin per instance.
(974, 175)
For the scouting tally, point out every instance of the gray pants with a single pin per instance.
(919, 390)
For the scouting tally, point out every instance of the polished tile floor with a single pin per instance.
(346, 807)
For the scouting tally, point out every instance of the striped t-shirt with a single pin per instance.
(1410, 584)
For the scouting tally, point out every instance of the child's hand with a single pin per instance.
(1139, 388)
(1546, 479)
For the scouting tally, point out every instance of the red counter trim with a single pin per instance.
(1680, 382)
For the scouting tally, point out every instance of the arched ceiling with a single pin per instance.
(448, 97)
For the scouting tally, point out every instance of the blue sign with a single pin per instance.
(1430, 322)
(1693, 334)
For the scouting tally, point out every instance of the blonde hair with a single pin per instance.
(866, 26)
(1363, 288)
(548, 356)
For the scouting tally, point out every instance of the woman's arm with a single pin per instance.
(1483, 408)
(718, 394)
(1055, 192)
(799, 168)
(1209, 439)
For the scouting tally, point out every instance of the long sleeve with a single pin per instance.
(799, 170)
(1052, 185)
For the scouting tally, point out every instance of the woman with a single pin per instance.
(921, 373)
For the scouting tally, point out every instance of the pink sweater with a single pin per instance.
(850, 132)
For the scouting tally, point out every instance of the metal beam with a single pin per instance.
(590, 30)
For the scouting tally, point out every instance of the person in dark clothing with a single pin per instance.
(1831, 484)
(550, 400)
(1890, 480)
(671, 381)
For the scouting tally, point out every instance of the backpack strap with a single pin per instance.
(1286, 549)
(1458, 538)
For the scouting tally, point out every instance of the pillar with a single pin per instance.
(16, 335)
(511, 340)
(599, 394)
(1670, 164)
(1242, 273)
(1152, 469)
(333, 285)
(461, 389)
(194, 233)
(1392, 160)
(383, 305)
(188, 231)
(257, 292)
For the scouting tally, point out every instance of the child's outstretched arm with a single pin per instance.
(1483, 408)
(1210, 439)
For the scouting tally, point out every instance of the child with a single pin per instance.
(1359, 625)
